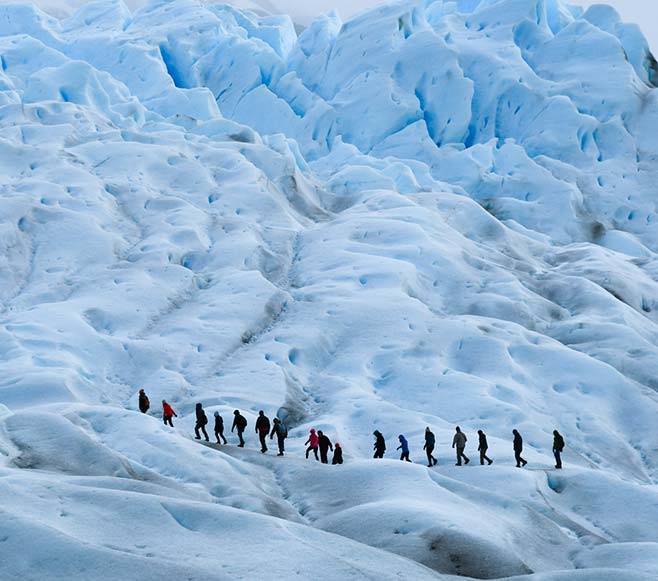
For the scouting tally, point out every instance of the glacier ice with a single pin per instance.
(435, 213)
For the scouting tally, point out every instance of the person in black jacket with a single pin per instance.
(558, 447)
(201, 421)
(518, 448)
(380, 444)
(482, 448)
(281, 432)
(325, 444)
(262, 429)
(239, 423)
(144, 403)
(430, 442)
(338, 454)
(219, 428)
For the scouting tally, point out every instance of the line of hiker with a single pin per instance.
(319, 442)
(459, 445)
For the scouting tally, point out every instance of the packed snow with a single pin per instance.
(438, 213)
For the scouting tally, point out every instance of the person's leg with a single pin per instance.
(315, 451)
(308, 451)
(459, 457)
(323, 455)
(406, 456)
(221, 435)
(241, 444)
(167, 420)
(428, 451)
(517, 457)
(281, 441)
(196, 431)
(558, 460)
(205, 434)
(483, 455)
(263, 443)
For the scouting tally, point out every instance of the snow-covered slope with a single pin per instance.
(437, 213)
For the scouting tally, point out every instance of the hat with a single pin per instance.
(216, 414)
(141, 391)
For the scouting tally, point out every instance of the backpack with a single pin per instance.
(283, 431)
(559, 443)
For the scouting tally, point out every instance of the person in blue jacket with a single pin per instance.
(404, 446)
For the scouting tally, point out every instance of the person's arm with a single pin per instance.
(272, 432)
(331, 446)
(453, 441)
(233, 426)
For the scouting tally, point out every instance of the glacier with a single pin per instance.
(436, 213)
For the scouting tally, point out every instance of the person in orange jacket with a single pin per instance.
(167, 413)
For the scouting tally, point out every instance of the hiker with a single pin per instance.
(325, 444)
(239, 422)
(144, 403)
(459, 442)
(219, 428)
(338, 454)
(262, 429)
(167, 413)
(380, 444)
(482, 448)
(313, 443)
(201, 421)
(430, 441)
(281, 434)
(404, 446)
(518, 448)
(558, 447)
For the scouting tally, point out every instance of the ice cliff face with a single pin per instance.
(437, 213)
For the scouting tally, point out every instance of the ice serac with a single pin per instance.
(437, 213)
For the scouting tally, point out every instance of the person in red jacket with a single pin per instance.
(313, 443)
(167, 413)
